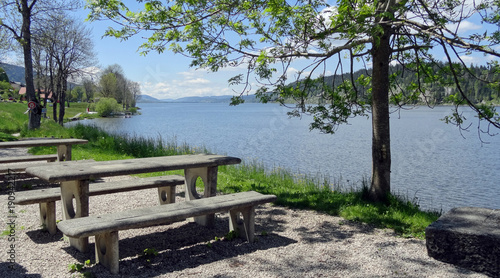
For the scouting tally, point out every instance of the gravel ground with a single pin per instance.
(290, 243)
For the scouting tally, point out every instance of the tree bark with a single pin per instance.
(35, 114)
(62, 98)
(381, 145)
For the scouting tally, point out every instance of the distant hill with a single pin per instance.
(209, 99)
(15, 73)
(146, 98)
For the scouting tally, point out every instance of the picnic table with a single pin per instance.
(63, 145)
(74, 179)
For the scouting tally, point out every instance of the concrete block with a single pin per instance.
(467, 237)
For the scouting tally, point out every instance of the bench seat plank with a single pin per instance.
(54, 194)
(46, 198)
(150, 216)
(105, 227)
(26, 158)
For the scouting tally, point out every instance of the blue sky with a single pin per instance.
(168, 76)
(164, 76)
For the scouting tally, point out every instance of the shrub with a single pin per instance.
(107, 106)
(133, 110)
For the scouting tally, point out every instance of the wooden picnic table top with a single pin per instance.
(41, 142)
(97, 169)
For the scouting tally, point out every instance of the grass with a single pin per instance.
(292, 190)
(12, 117)
(400, 214)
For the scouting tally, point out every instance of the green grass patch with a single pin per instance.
(400, 214)
(12, 117)
(6, 137)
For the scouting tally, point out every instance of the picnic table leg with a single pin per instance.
(78, 190)
(209, 177)
(63, 152)
(242, 221)
(48, 216)
(166, 194)
(107, 251)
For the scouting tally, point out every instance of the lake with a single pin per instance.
(432, 162)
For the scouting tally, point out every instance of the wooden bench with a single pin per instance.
(46, 198)
(105, 227)
(26, 158)
(63, 145)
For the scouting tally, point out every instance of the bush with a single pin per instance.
(5, 87)
(133, 110)
(107, 106)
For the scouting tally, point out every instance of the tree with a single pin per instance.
(70, 49)
(108, 86)
(89, 88)
(5, 43)
(77, 93)
(3, 76)
(135, 90)
(17, 17)
(5, 86)
(273, 37)
(121, 89)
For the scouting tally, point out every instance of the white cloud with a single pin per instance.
(464, 27)
(469, 60)
(186, 84)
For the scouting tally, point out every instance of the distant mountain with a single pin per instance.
(210, 99)
(15, 73)
(146, 98)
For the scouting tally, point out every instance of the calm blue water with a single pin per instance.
(431, 161)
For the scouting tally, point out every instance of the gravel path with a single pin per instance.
(290, 243)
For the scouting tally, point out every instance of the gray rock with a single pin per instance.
(467, 237)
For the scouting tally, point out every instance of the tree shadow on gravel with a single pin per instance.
(14, 270)
(409, 266)
(178, 248)
(328, 232)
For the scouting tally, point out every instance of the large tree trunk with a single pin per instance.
(35, 114)
(54, 108)
(58, 97)
(381, 140)
(62, 105)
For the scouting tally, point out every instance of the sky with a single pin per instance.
(168, 75)
(163, 76)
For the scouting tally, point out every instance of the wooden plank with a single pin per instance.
(128, 167)
(145, 217)
(54, 194)
(21, 167)
(26, 158)
(41, 142)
